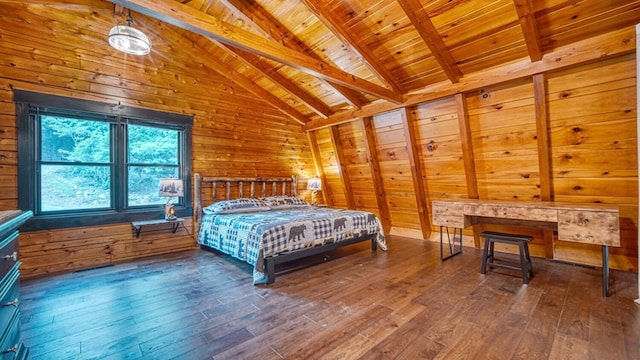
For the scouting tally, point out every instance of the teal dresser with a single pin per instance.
(11, 346)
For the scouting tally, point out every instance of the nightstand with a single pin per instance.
(175, 223)
(320, 205)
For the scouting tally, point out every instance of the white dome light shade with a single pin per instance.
(129, 40)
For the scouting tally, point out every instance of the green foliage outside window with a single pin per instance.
(149, 148)
(76, 163)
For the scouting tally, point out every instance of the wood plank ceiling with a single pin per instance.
(317, 60)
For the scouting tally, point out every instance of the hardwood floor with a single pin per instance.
(402, 304)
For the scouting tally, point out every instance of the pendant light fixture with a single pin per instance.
(128, 39)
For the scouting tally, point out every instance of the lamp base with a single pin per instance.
(169, 212)
(314, 197)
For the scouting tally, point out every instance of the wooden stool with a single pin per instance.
(526, 268)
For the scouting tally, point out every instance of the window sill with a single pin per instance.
(84, 219)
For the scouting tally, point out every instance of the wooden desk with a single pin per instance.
(584, 223)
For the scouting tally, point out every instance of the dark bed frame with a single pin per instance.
(206, 190)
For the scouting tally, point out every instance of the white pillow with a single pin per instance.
(237, 206)
(285, 202)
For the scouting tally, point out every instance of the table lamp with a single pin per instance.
(170, 188)
(315, 185)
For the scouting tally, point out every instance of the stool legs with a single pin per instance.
(491, 254)
(485, 255)
(528, 262)
(526, 266)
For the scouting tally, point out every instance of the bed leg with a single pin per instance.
(374, 245)
(270, 267)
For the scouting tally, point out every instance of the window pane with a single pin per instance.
(72, 187)
(67, 139)
(144, 185)
(148, 145)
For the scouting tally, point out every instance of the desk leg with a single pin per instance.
(174, 227)
(452, 244)
(138, 228)
(441, 252)
(605, 270)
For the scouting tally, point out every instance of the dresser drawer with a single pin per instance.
(8, 253)
(449, 214)
(10, 344)
(589, 227)
(22, 353)
(9, 295)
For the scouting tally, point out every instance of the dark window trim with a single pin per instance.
(26, 131)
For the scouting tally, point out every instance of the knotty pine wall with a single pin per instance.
(233, 134)
(591, 153)
(477, 144)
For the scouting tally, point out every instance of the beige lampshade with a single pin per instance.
(171, 187)
(314, 184)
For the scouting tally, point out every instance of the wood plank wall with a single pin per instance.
(233, 133)
(481, 142)
(590, 117)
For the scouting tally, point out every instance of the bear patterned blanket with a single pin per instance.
(253, 236)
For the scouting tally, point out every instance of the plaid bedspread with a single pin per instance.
(251, 237)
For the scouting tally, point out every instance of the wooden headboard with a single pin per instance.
(206, 190)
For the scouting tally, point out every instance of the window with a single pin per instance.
(86, 163)
(74, 164)
(153, 153)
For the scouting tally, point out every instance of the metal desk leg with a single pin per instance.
(605, 270)
(452, 243)
(174, 227)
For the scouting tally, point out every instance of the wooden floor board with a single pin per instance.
(349, 304)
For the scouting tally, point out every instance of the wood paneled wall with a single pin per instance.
(562, 129)
(565, 135)
(592, 116)
(233, 134)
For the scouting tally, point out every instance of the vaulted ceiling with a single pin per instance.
(313, 59)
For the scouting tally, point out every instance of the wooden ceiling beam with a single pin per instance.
(421, 21)
(82, 3)
(544, 152)
(188, 18)
(118, 10)
(527, 18)
(248, 84)
(351, 96)
(272, 74)
(370, 144)
(417, 175)
(341, 164)
(197, 52)
(597, 48)
(468, 157)
(317, 162)
(366, 56)
(254, 14)
(271, 27)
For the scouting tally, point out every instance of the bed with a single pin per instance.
(261, 221)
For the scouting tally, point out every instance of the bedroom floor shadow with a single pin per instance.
(349, 304)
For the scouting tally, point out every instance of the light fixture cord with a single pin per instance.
(129, 19)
